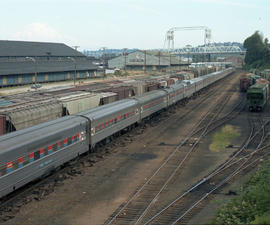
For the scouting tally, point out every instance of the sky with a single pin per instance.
(92, 24)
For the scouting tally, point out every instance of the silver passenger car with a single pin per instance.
(152, 102)
(111, 118)
(176, 93)
(35, 151)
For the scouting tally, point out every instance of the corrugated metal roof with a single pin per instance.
(25, 48)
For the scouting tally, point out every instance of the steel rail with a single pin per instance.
(219, 170)
(183, 160)
(237, 171)
(193, 131)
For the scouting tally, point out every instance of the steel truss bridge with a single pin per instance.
(209, 49)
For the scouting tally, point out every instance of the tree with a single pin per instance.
(257, 51)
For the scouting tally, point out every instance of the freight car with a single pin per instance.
(244, 84)
(257, 97)
(33, 152)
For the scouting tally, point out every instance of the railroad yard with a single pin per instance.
(134, 112)
(166, 170)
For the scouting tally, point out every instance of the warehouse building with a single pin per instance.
(20, 61)
(145, 60)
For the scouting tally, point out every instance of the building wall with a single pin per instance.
(10, 80)
(137, 58)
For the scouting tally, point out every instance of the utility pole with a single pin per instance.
(34, 60)
(159, 53)
(36, 72)
(75, 62)
(103, 56)
(179, 61)
(125, 58)
(144, 61)
(170, 62)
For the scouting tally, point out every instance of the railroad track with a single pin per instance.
(182, 208)
(198, 102)
(36, 190)
(136, 209)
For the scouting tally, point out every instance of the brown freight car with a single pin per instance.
(244, 84)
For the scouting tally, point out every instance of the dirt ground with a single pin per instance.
(209, 210)
(90, 198)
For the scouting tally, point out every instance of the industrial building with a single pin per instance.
(145, 60)
(24, 62)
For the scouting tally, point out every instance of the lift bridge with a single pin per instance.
(210, 49)
(207, 48)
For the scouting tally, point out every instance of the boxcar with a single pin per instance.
(244, 84)
(257, 96)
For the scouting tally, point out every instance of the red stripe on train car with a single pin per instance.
(20, 160)
(9, 165)
(31, 155)
(50, 147)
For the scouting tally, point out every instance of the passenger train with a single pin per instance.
(31, 153)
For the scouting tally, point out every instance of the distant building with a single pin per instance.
(144, 60)
(19, 60)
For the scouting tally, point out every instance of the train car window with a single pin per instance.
(15, 164)
(2, 170)
(25, 160)
(55, 147)
(36, 155)
(45, 151)
(69, 141)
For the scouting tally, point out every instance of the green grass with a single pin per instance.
(252, 206)
(223, 138)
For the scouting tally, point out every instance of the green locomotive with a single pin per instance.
(257, 97)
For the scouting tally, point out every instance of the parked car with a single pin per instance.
(35, 86)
